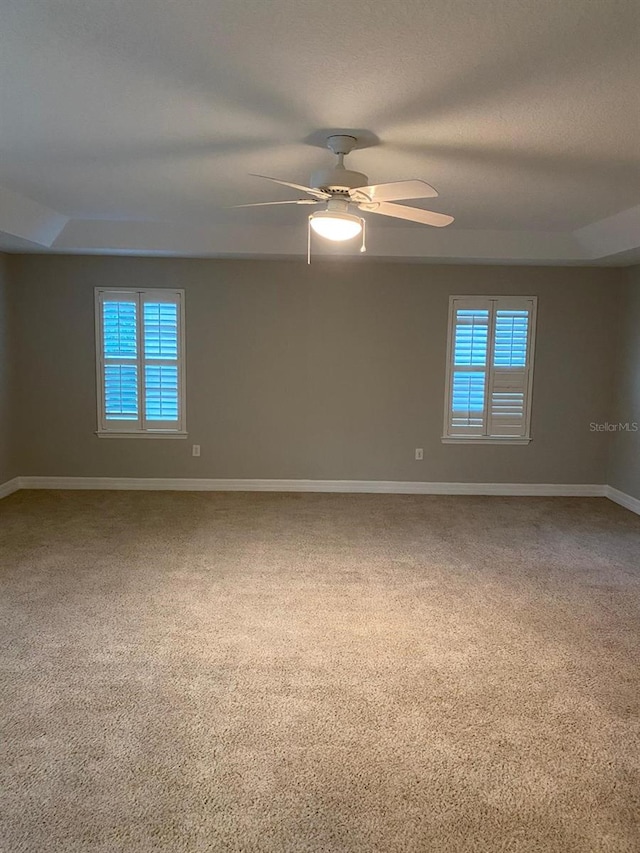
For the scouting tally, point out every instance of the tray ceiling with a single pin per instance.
(134, 126)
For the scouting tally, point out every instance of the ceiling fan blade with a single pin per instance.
(413, 214)
(315, 193)
(269, 203)
(393, 191)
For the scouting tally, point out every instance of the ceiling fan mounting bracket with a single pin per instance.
(340, 144)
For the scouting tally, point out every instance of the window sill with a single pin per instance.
(479, 439)
(158, 434)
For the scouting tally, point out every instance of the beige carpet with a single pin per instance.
(262, 672)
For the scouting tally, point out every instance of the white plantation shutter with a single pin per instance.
(140, 361)
(467, 415)
(468, 395)
(507, 409)
(161, 333)
(510, 373)
(490, 353)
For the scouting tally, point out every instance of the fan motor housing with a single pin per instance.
(338, 180)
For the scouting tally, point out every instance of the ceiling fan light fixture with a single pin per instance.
(336, 226)
(341, 188)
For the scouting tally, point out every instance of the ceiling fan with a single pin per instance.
(339, 189)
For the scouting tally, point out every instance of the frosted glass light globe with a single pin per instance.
(336, 226)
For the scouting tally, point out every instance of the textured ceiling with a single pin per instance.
(525, 114)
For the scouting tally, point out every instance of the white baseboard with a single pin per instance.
(391, 487)
(623, 499)
(402, 487)
(10, 487)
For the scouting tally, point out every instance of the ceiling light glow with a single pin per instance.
(336, 226)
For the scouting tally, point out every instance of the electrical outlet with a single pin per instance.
(195, 450)
(419, 454)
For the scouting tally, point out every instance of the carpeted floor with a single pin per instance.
(268, 673)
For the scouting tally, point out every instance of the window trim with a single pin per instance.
(446, 437)
(119, 432)
(140, 434)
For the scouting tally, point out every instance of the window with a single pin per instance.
(489, 369)
(140, 363)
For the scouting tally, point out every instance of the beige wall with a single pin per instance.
(8, 467)
(624, 468)
(334, 371)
